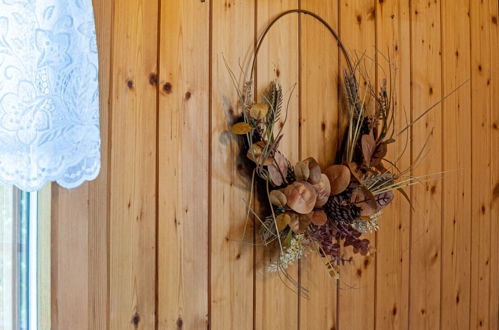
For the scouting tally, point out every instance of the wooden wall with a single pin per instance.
(153, 243)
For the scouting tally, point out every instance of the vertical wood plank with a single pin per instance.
(456, 186)
(132, 241)
(483, 58)
(426, 231)
(231, 281)
(183, 165)
(70, 260)
(319, 107)
(98, 190)
(392, 239)
(44, 258)
(277, 303)
(356, 285)
(494, 212)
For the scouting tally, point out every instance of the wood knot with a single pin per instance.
(129, 84)
(153, 79)
(167, 88)
(188, 95)
(136, 319)
(180, 323)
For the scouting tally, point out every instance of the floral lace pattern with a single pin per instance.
(49, 96)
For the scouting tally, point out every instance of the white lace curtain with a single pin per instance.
(49, 101)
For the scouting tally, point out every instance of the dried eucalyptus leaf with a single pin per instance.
(282, 220)
(302, 171)
(278, 198)
(241, 128)
(384, 199)
(259, 111)
(368, 148)
(319, 218)
(301, 197)
(339, 178)
(255, 154)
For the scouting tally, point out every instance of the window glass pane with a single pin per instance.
(24, 259)
(7, 253)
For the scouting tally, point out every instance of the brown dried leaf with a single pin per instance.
(241, 128)
(339, 178)
(315, 170)
(384, 199)
(379, 154)
(259, 111)
(354, 169)
(323, 189)
(278, 170)
(256, 150)
(368, 148)
(364, 199)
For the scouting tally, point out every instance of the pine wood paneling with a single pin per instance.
(70, 259)
(319, 66)
(231, 269)
(276, 303)
(456, 148)
(183, 126)
(425, 255)
(483, 58)
(392, 239)
(132, 233)
(155, 242)
(98, 190)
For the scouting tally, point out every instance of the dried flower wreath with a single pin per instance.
(324, 211)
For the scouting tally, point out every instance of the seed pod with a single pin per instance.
(323, 189)
(339, 178)
(282, 220)
(302, 171)
(278, 198)
(301, 197)
(319, 217)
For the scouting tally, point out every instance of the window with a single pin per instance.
(24, 259)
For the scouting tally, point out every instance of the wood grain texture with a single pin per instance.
(231, 267)
(456, 147)
(426, 223)
(69, 259)
(132, 235)
(494, 204)
(357, 283)
(319, 108)
(276, 303)
(483, 57)
(98, 190)
(392, 239)
(183, 164)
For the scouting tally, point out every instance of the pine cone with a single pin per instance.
(340, 209)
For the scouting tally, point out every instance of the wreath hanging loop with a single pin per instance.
(309, 13)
